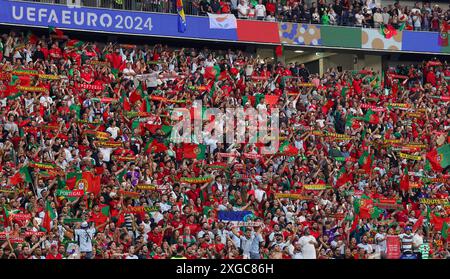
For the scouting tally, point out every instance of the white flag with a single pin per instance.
(222, 21)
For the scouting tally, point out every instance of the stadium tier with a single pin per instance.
(224, 130)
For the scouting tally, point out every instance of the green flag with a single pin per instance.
(375, 212)
(25, 172)
(344, 91)
(444, 231)
(105, 211)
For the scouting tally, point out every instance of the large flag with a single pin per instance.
(222, 21)
(181, 17)
(439, 158)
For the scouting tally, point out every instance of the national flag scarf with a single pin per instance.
(196, 180)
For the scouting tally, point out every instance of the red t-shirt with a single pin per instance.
(50, 256)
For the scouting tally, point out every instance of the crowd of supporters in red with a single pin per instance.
(88, 168)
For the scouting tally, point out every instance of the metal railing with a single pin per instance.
(191, 7)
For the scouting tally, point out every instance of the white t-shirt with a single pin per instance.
(359, 18)
(308, 249)
(381, 243)
(134, 257)
(367, 247)
(46, 101)
(260, 10)
(85, 237)
(106, 152)
(114, 131)
(243, 10)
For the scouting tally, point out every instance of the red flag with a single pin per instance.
(355, 223)
(156, 147)
(404, 182)
(434, 158)
(126, 105)
(46, 221)
(279, 51)
(134, 97)
(93, 182)
(344, 178)
(327, 106)
(418, 223)
(16, 179)
(271, 99)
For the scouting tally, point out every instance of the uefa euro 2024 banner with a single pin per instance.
(106, 20)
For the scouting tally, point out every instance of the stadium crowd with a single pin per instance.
(422, 16)
(88, 168)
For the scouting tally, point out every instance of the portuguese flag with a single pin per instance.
(74, 43)
(55, 30)
(50, 214)
(212, 72)
(372, 117)
(388, 31)
(365, 161)
(343, 177)
(194, 151)
(86, 181)
(155, 147)
(439, 158)
(365, 209)
(288, 149)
